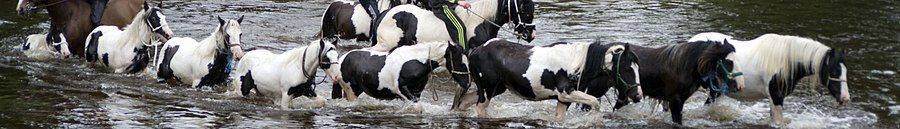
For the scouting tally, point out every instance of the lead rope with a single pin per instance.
(434, 95)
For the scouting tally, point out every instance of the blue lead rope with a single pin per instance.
(710, 78)
(229, 64)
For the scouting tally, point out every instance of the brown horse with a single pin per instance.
(74, 16)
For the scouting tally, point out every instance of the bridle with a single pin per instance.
(517, 23)
(619, 78)
(310, 74)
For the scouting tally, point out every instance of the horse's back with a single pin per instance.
(121, 12)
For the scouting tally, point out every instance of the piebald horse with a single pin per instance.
(401, 74)
(126, 50)
(347, 19)
(73, 16)
(39, 47)
(553, 71)
(203, 63)
(284, 76)
(774, 64)
(673, 73)
(408, 24)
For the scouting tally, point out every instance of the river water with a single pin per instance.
(66, 93)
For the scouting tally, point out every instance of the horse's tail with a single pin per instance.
(329, 22)
(164, 70)
(91, 49)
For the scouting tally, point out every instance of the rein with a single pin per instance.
(619, 75)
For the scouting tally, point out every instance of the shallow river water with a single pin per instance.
(67, 93)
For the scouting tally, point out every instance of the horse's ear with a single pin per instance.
(240, 19)
(146, 6)
(221, 22)
(159, 5)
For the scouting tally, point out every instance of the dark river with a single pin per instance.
(67, 93)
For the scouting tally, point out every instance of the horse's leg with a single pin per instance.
(335, 92)
(776, 96)
(467, 100)
(561, 108)
(676, 105)
(285, 100)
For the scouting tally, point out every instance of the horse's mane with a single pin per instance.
(691, 56)
(783, 54)
(216, 37)
(595, 59)
(137, 29)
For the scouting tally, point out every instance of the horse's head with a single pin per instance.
(521, 14)
(718, 65)
(833, 74)
(328, 55)
(458, 64)
(60, 45)
(156, 22)
(230, 36)
(623, 64)
(28, 7)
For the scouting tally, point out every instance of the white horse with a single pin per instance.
(203, 63)
(38, 47)
(284, 76)
(778, 62)
(126, 50)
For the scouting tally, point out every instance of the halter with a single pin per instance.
(723, 79)
(619, 75)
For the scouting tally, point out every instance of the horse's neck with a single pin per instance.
(304, 58)
(209, 45)
(136, 33)
(484, 8)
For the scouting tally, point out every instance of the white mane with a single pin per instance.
(136, 32)
(305, 56)
(216, 38)
(780, 54)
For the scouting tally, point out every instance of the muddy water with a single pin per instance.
(68, 93)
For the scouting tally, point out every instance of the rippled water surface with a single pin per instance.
(68, 93)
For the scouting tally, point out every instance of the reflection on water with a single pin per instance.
(66, 93)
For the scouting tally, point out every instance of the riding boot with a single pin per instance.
(97, 7)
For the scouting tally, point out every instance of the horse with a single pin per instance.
(287, 75)
(73, 16)
(554, 71)
(126, 50)
(347, 19)
(673, 73)
(203, 63)
(37, 46)
(408, 24)
(774, 64)
(401, 74)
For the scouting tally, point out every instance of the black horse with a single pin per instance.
(673, 73)
(554, 71)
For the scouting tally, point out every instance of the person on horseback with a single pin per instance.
(444, 10)
(97, 7)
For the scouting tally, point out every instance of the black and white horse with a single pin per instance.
(402, 73)
(774, 64)
(408, 24)
(673, 73)
(126, 50)
(284, 76)
(347, 19)
(40, 47)
(554, 71)
(203, 63)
